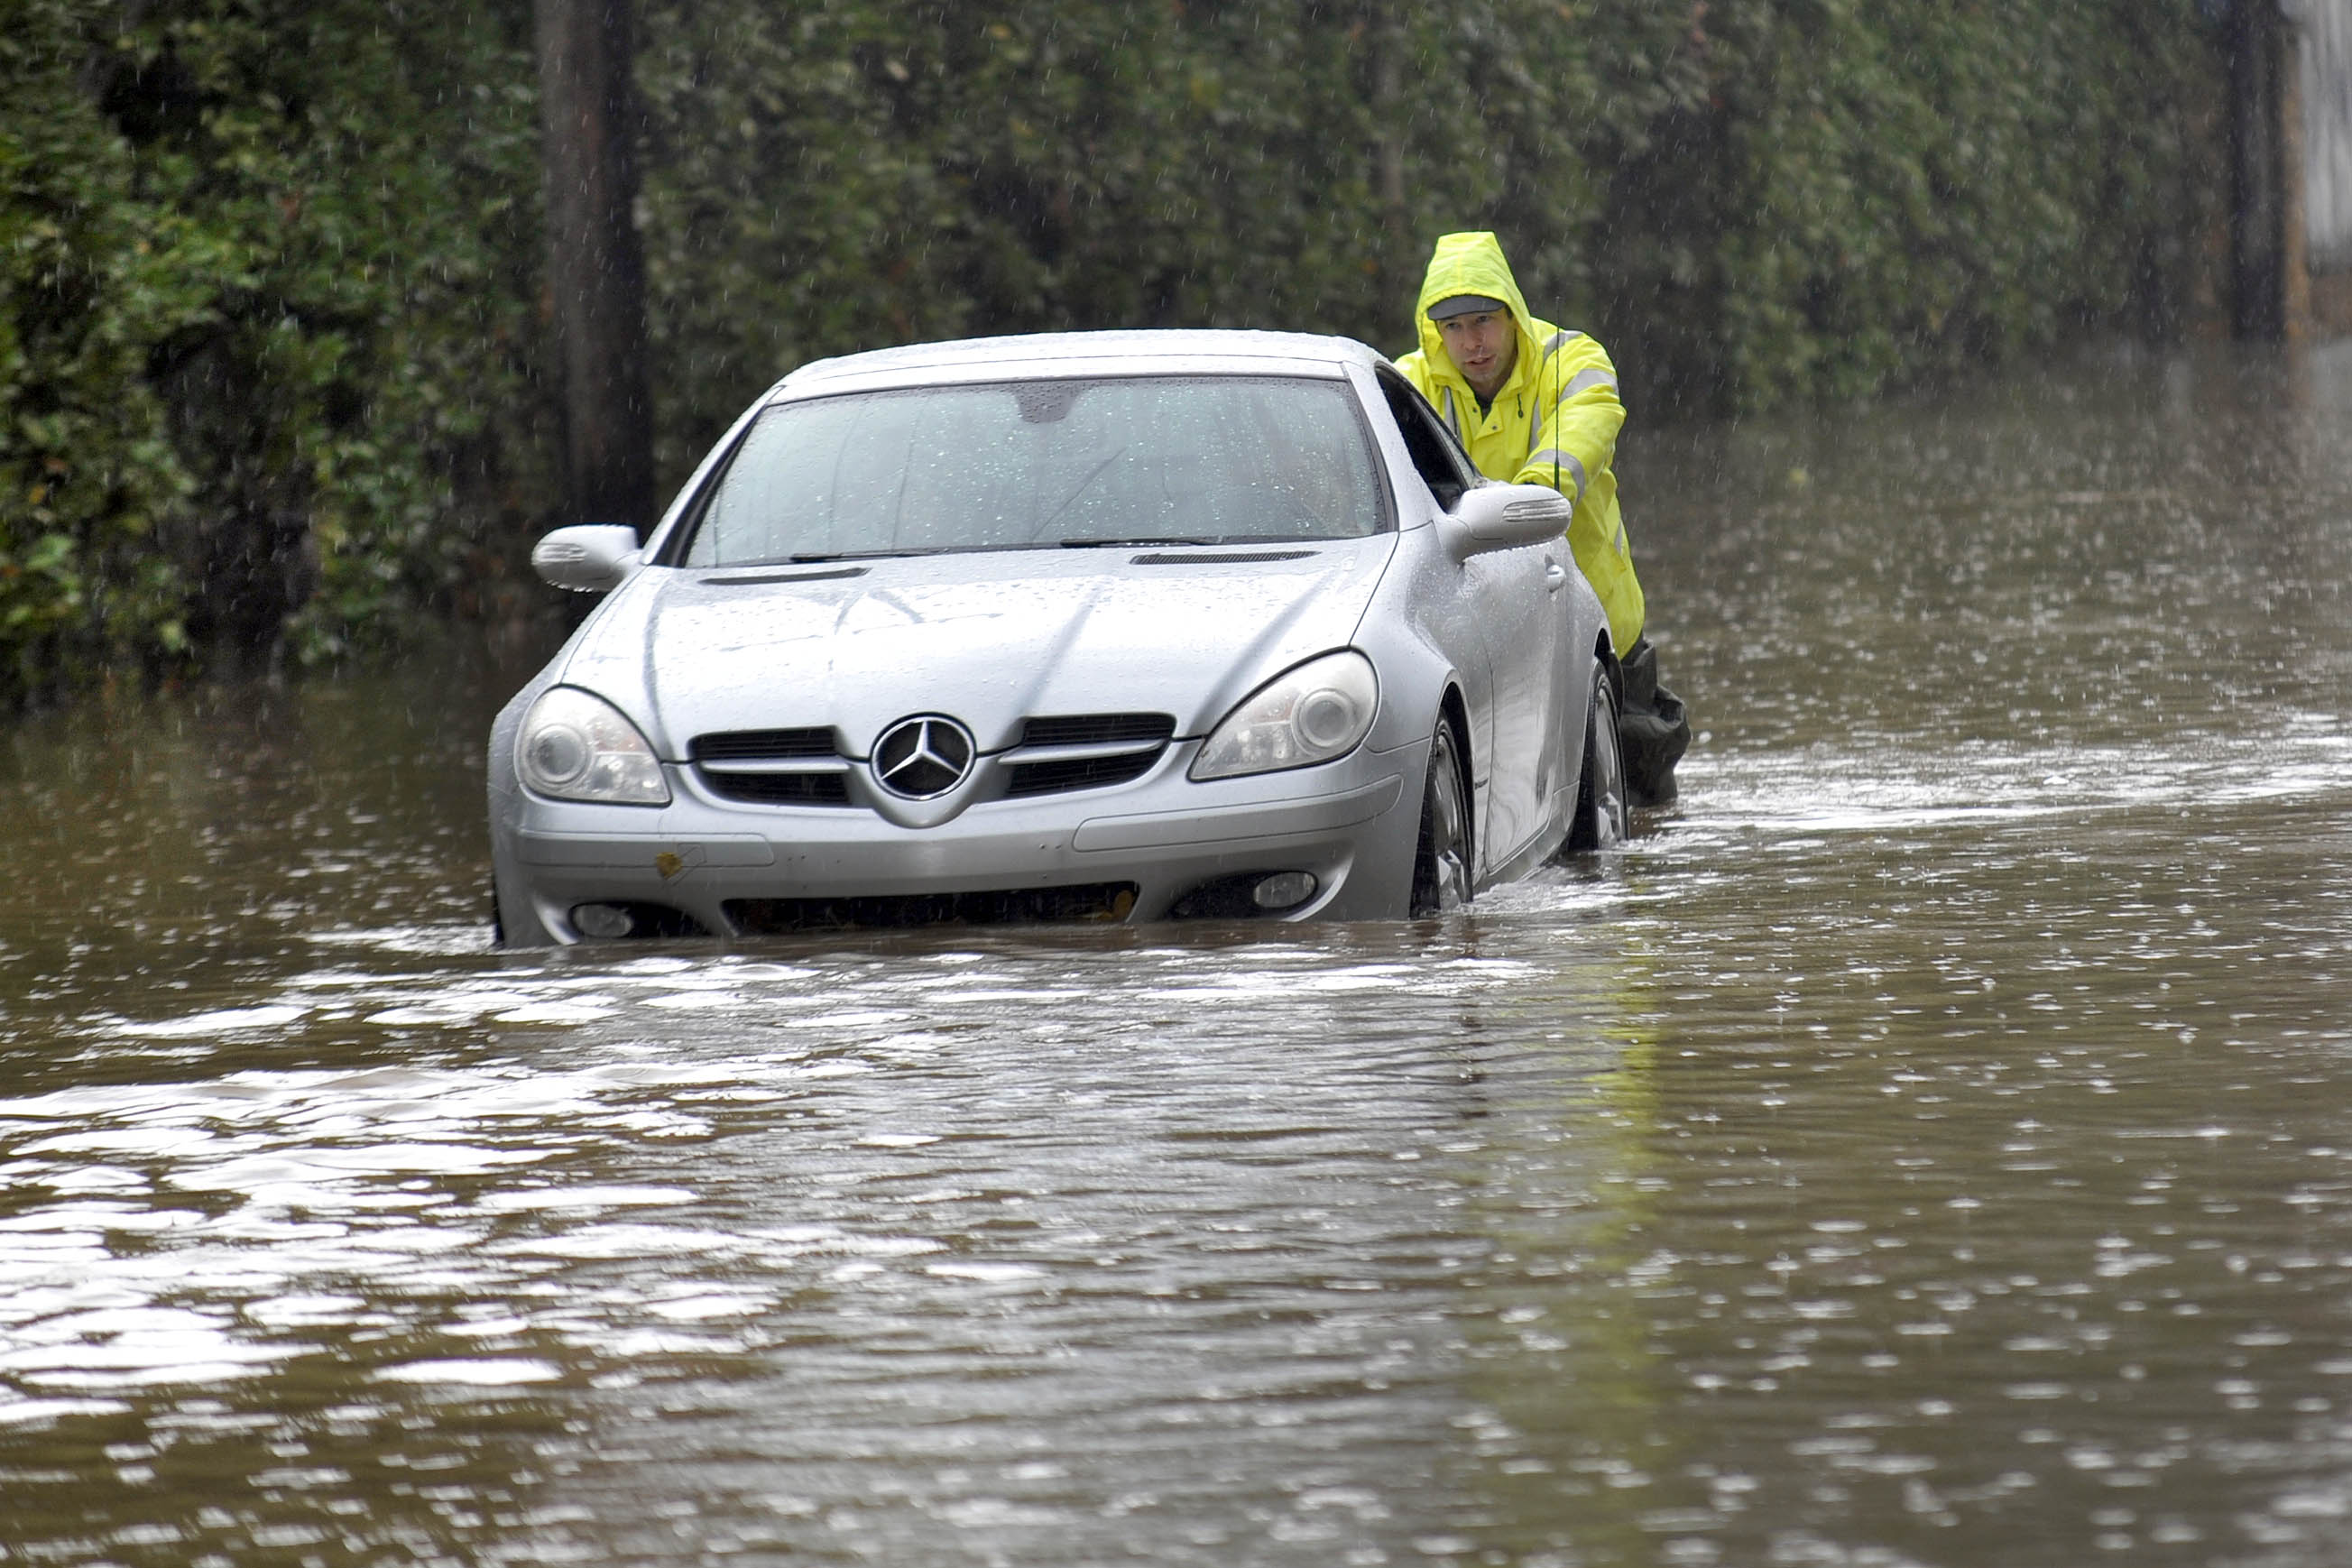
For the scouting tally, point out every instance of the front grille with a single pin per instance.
(1086, 902)
(759, 745)
(1096, 728)
(773, 767)
(1055, 753)
(1097, 749)
(1080, 773)
(781, 789)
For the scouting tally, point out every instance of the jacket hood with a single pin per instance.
(1469, 263)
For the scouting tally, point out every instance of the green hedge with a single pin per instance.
(266, 280)
(271, 324)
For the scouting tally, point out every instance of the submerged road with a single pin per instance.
(1930, 1144)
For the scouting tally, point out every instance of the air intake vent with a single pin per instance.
(773, 767)
(1088, 901)
(1084, 750)
(762, 745)
(1098, 729)
(1081, 773)
(779, 789)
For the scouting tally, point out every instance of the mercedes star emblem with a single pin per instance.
(923, 757)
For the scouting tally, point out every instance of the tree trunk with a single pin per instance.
(2259, 201)
(596, 271)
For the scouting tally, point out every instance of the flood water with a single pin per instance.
(1931, 1143)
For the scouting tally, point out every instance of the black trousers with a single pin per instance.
(1653, 728)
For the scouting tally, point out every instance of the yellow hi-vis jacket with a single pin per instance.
(1554, 421)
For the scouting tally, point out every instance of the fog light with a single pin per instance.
(602, 920)
(1283, 890)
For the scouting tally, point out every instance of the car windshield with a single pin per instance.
(1044, 464)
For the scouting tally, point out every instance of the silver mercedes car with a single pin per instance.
(1090, 626)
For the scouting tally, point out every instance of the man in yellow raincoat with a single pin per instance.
(1538, 405)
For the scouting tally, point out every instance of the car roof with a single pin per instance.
(1045, 355)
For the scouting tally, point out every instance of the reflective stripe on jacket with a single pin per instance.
(1554, 421)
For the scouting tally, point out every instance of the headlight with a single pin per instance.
(1312, 714)
(577, 747)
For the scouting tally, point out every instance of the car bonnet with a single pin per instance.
(991, 639)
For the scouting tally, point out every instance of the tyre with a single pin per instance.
(1441, 863)
(1600, 821)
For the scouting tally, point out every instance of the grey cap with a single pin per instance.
(1454, 305)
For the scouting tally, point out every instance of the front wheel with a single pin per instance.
(1441, 864)
(1600, 821)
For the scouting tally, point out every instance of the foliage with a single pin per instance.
(1751, 200)
(270, 269)
(1882, 191)
(264, 282)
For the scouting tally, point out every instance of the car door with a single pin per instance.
(1508, 614)
(1511, 590)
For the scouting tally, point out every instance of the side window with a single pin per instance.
(1437, 457)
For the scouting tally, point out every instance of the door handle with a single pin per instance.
(1555, 575)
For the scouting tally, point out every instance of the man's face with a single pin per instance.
(1484, 345)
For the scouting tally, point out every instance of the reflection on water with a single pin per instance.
(1928, 1145)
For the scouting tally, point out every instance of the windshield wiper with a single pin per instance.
(1163, 542)
(1126, 543)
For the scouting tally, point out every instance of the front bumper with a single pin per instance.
(1352, 824)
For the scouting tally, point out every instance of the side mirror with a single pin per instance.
(1508, 517)
(587, 558)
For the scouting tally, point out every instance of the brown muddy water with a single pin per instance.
(1931, 1143)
